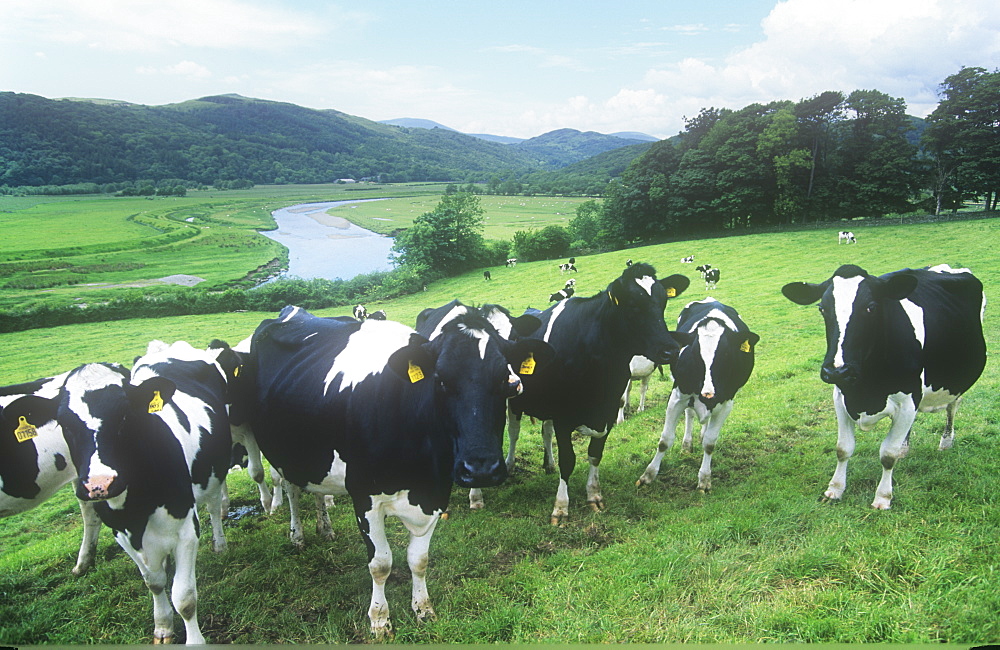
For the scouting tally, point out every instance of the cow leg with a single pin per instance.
(295, 532)
(567, 459)
(421, 529)
(151, 563)
(595, 452)
(513, 433)
(687, 443)
(255, 467)
(948, 438)
(323, 527)
(224, 502)
(476, 499)
(548, 462)
(894, 446)
(379, 566)
(213, 500)
(845, 449)
(184, 593)
(623, 404)
(675, 406)
(278, 498)
(88, 547)
(709, 436)
(643, 387)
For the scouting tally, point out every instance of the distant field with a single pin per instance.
(759, 559)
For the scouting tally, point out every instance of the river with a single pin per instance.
(324, 246)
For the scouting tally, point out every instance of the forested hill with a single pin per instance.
(228, 137)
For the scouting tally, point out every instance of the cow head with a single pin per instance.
(639, 299)
(852, 303)
(472, 371)
(97, 409)
(715, 361)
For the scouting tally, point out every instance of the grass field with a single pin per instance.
(758, 559)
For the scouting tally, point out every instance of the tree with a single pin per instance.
(446, 241)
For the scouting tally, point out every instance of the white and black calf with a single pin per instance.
(511, 262)
(148, 449)
(709, 274)
(905, 342)
(360, 312)
(562, 294)
(594, 339)
(846, 236)
(568, 266)
(687, 260)
(641, 369)
(35, 460)
(375, 411)
(716, 359)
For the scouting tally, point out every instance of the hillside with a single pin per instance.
(228, 137)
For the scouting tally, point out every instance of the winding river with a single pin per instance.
(323, 246)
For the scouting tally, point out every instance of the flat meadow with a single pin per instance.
(758, 559)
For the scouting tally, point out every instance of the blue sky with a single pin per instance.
(512, 68)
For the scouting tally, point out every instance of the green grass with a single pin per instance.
(759, 559)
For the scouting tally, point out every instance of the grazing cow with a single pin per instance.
(35, 460)
(594, 339)
(511, 261)
(562, 294)
(570, 283)
(687, 260)
(905, 342)
(716, 359)
(640, 369)
(379, 315)
(487, 276)
(360, 312)
(568, 266)
(375, 411)
(150, 448)
(846, 236)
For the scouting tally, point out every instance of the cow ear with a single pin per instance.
(528, 356)
(804, 293)
(896, 287)
(683, 338)
(526, 324)
(753, 338)
(675, 285)
(151, 394)
(23, 416)
(413, 362)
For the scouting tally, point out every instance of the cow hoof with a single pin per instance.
(826, 498)
(881, 503)
(81, 569)
(596, 505)
(383, 632)
(559, 520)
(425, 614)
(157, 640)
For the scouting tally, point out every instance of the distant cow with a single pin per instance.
(628, 262)
(716, 359)
(570, 283)
(487, 276)
(687, 260)
(376, 411)
(360, 312)
(846, 236)
(568, 266)
(594, 339)
(35, 460)
(150, 447)
(711, 278)
(511, 261)
(905, 342)
(641, 369)
(378, 315)
(562, 294)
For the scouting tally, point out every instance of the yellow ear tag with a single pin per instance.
(25, 431)
(671, 292)
(528, 365)
(156, 404)
(236, 371)
(415, 373)
(745, 346)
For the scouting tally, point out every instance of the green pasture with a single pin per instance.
(758, 559)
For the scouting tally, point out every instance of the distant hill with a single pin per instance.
(414, 123)
(634, 135)
(230, 137)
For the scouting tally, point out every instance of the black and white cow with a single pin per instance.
(905, 342)
(709, 274)
(846, 236)
(378, 315)
(148, 449)
(594, 339)
(511, 261)
(716, 359)
(687, 260)
(35, 460)
(568, 266)
(562, 294)
(360, 312)
(376, 411)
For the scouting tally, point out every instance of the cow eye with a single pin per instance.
(872, 308)
(820, 308)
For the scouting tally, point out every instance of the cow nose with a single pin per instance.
(482, 474)
(514, 386)
(98, 487)
(708, 395)
(664, 357)
(842, 375)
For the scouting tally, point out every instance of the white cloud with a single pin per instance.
(188, 69)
